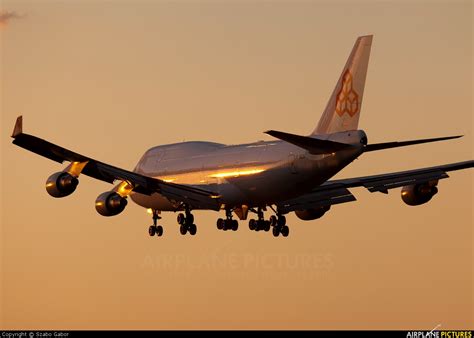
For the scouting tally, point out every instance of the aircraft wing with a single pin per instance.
(316, 199)
(336, 191)
(384, 182)
(193, 196)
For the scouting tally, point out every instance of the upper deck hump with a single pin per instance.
(184, 149)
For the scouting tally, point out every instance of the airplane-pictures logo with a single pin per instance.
(347, 99)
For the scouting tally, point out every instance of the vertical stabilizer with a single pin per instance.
(343, 109)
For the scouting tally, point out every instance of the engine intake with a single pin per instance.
(312, 214)
(61, 184)
(110, 203)
(418, 194)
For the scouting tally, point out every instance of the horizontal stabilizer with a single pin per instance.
(313, 145)
(388, 145)
(18, 129)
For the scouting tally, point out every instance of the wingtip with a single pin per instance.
(18, 129)
(367, 37)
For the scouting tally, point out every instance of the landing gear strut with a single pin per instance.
(228, 223)
(186, 222)
(155, 229)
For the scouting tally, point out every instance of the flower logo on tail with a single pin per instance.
(347, 99)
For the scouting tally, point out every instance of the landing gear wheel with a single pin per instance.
(220, 224)
(276, 231)
(235, 225)
(282, 221)
(252, 224)
(273, 220)
(227, 224)
(192, 229)
(285, 231)
(266, 226)
(189, 218)
(183, 229)
(155, 229)
(181, 219)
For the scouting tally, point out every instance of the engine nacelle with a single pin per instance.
(418, 193)
(312, 214)
(110, 203)
(61, 184)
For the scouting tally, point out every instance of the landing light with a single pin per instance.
(124, 189)
(149, 211)
(237, 173)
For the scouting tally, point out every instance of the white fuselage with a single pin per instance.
(254, 174)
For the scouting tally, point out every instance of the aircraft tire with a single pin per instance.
(273, 220)
(252, 224)
(181, 219)
(285, 231)
(282, 221)
(276, 231)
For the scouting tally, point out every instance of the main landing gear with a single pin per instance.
(186, 223)
(260, 223)
(155, 229)
(278, 223)
(228, 223)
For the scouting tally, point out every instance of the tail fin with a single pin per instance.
(343, 109)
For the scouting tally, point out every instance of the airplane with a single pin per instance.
(290, 174)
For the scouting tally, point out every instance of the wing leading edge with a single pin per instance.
(195, 197)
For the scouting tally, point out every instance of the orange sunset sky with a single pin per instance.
(110, 79)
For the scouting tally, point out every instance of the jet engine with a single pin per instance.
(311, 214)
(61, 184)
(110, 203)
(418, 194)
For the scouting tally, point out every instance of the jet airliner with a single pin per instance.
(290, 174)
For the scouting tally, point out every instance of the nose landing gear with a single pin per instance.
(155, 229)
